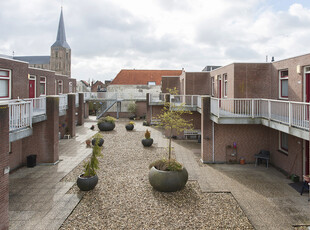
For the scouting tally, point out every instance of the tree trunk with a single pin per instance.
(170, 136)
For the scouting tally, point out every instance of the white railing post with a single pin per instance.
(269, 109)
(252, 108)
(289, 114)
(218, 107)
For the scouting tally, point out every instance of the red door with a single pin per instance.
(32, 88)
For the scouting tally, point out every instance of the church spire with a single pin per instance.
(61, 34)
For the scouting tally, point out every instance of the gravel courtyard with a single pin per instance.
(124, 199)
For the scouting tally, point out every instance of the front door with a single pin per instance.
(32, 88)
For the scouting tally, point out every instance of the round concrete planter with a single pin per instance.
(100, 142)
(147, 142)
(106, 126)
(168, 181)
(129, 127)
(87, 183)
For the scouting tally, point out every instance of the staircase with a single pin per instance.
(104, 108)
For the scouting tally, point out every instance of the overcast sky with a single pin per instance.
(109, 35)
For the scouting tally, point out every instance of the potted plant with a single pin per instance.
(148, 141)
(168, 175)
(89, 179)
(132, 107)
(106, 123)
(130, 125)
(97, 138)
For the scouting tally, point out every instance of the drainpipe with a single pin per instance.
(213, 160)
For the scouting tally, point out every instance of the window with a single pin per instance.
(151, 83)
(56, 53)
(70, 87)
(42, 86)
(283, 146)
(225, 84)
(212, 86)
(283, 82)
(5, 77)
(60, 87)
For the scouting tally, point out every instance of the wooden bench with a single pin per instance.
(193, 132)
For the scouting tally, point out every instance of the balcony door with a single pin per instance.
(307, 158)
(32, 86)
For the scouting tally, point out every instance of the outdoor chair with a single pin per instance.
(262, 155)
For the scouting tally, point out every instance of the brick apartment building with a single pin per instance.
(36, 105)
(243, 108)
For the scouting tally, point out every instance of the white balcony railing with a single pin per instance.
(77, 100)
(199, 101)
(20, 114)
(286, 112)
(39, 105)
(157, 98)
(186, 100)
(63, 102)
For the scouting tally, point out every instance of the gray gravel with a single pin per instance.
(124, 199)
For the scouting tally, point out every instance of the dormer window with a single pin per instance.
(151, 83)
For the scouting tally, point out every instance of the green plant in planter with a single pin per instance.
(97, 138)
(106, 123)
(130, 126)
(89, 179)
(106, 119)
(91, 166)
(171, 118)
(131, 123)
(168, 175)
(148, 141)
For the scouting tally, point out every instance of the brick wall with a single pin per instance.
(4, 162)
(140, 108)
(197, 83)
(170, 83)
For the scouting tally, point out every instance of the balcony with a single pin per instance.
(286, 116)
(157, 99)
(190, 102)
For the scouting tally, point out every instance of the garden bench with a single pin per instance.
(192, 132)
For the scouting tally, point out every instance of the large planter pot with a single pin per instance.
(106, 126)
(147, 142)
(87, 183)
(100, 143)
(168, 181)
(129, 127)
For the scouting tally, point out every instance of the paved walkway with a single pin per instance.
(38, 198)
(264, 194)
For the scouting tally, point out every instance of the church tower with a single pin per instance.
(60, 61)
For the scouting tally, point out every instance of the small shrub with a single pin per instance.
(132, 108)
(131, 123)
(107, 119)
(88, 143)
(98, 135)
(167, 165)
(147, 134)
(91, 166)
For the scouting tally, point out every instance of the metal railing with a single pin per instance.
(63, 102)
(157, 97)
(286, 112)
(39, 105)
(186, 100)
(20, 115)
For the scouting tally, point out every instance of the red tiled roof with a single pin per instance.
(142, 77)
(85, 83)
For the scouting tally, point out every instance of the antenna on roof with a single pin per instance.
(13, 53)
(266, 58)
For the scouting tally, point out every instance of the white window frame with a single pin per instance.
(280, 83)
(280, 143)
(41, 82)
(225, 85)
(212, 86)
(60, 83)
(9, 85)
(151, 83)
